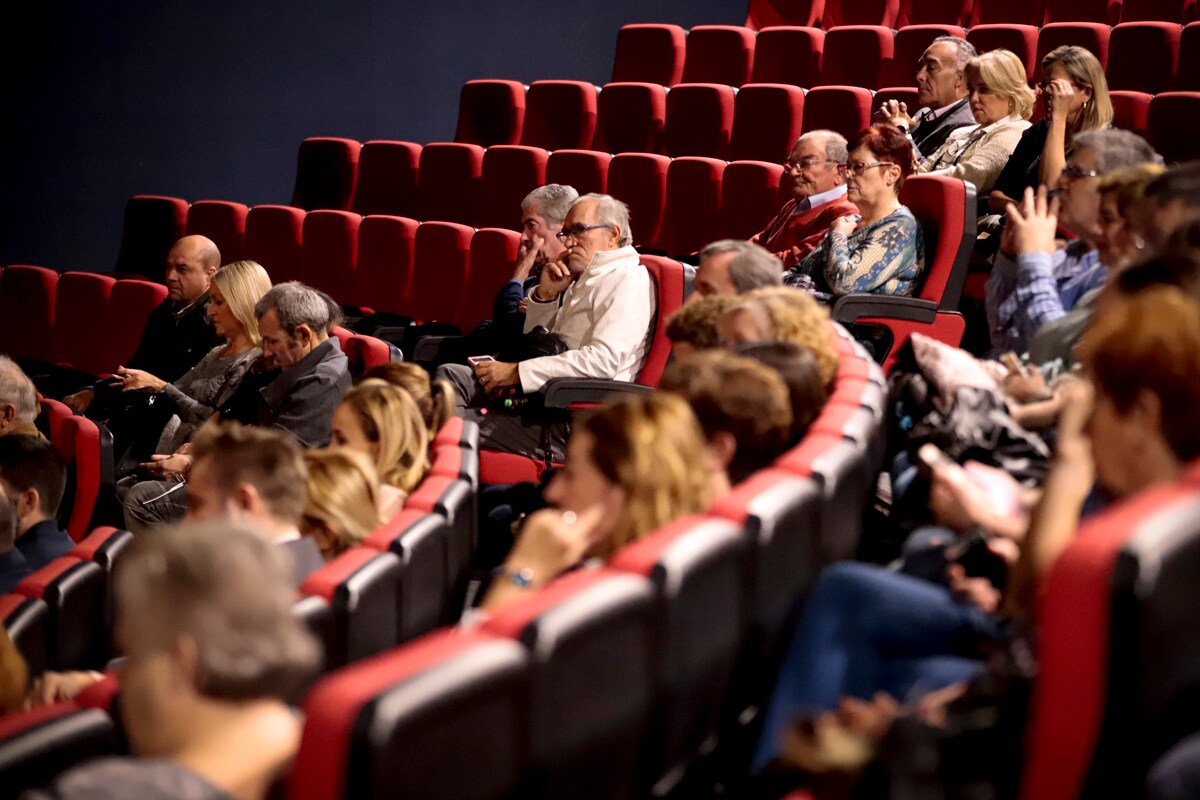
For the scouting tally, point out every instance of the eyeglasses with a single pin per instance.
(806, 163)
(1071, 172)
(575, 231)
(859, 168)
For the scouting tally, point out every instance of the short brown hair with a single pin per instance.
(268, 460)
(696, 322)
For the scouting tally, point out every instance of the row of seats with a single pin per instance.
(1141, 56)
(900, 13)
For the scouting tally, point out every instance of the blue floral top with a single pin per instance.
(885, 257)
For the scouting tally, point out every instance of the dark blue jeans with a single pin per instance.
(867, 629)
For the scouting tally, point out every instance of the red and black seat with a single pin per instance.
(26, 620)
(326, 170)
(151, 227)
(387, 179)
(37, 745)
(74, 594)
(420, 540)
(490, 112)
(455, 500)
(359, 587)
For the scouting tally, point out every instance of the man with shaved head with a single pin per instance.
(179, 332)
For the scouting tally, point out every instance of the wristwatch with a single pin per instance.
(521, 578)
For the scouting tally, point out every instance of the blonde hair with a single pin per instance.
(696, 323)
(790, 315)
(1004, 73)
(1129, 184)
(243, 284)
(342, 495)
(1084, 70)
(389, 417)
(435, 398)
(652, 448)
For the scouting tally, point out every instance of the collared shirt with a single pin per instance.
(927, 115)
(303, 398)
(820, 199)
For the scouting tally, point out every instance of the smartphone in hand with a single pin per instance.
(473, 360)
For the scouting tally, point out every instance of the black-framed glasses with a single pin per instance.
(575, 231)
(1071, 172)
(807, 163)
(859, 168)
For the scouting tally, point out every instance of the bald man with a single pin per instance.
(178, 333)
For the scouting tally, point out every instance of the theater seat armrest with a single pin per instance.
(430, 348)
(853, 307)
(566, 392)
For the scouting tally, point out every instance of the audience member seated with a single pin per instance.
(213, 657)
(18, 401)
(600, 302)
(1172, 202)
(182, 406)
(13, 566)
(1075, 98)
(783, 315)
(434, 397)
(1001, 102)
(542, 213)
(818, 198)
(731, 267)
(1033, 281)
(14, 676)
(743, 408)
(942, 93)
(880, 251)
(383, 423)
(178, 332)
(797, 366)
(34, 478)
(632, 467)
(342, 500)
(696, 326)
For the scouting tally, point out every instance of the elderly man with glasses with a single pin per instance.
(598, 299)
(818, 198)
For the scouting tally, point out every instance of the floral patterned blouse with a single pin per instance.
(885, 257)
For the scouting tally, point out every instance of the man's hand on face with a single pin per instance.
(527, 257)
(556, 277)
(496, 375)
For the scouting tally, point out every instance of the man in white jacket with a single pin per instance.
(598, 298)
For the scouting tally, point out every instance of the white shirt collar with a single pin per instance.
(937, 113)
(287, 536)
(822, 198)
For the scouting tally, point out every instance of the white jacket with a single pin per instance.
(605, 317)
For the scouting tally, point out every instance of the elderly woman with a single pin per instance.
(1001, 104)
(1075, 94)
(880, 251)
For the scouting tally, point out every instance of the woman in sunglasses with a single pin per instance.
(880, 251)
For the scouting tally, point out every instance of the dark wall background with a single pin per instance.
(209, 100)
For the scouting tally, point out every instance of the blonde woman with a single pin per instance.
(782, 314)
(632, 467)
(342, 503)
(383, 422)
(1001, 103)
(435, 398)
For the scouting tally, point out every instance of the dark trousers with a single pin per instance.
(531, 432)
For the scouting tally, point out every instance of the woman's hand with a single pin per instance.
(553, 541)
(845, 225)
(53, 687)
(1059, 95)
(132, 379)
(958, 499)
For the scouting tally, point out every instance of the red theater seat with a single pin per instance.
(767, 120)
(1091, 36)
(844, 109)
(857, 12)
(1152, 10)
(87, 450)
(330, 250)
(509, 173)
(631, 118)
(222, 222)
(419, 539)
(560, 114)
(855, 55)
(1143, 56)
(273, 236)
(585, 170)
(1002, 12)
(1176, 142)
(360, 588)
(1131, 111)
(102, 547)
(493, 255)
(749, 198)
(1188, 77)
(490, 112)
(37, 745)
(650, 53)
(790, 55)
(367, 352)
(385, 264)
(129, 307)
(930, 12)
(1106, 12)
(152, 225)
(387, 179)
(454, 500)
(74, 593)
(81, 308)
(25, 621)
(640, 180)
(910, 44)
(27, 303)
(440, 270)
(901, 94)
(768, 13)
(693, 204)
(718, 54)
(841, 470)
(1019, 39)
(325, 173)
(699, 120)
(448, 185)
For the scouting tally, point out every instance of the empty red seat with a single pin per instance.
(855, 55)
(74, 593)
(419, 540)
(330, 250)
(769, 13)
(490, 112)
(630, 118)
(1022, 40)
(1131, 111)
(650, 54)
(1143, 56)
(861, 12)
(387, 179)
(129, 306)
(909, 45)
(1107, 12)
(749, 198)
(789, 55)
(359, 587)
(152, 225)
(844, 109)
(27, 301)
(767, 120)
(493, 254)
(1174, 139)
(385, 264)
(509, 173)
(448, 184)
(640, 180)
(222, 222)
(1188, 77)
(1091, 36)
(453, 499)
(559, 114)
(440, 264)
(1152, 10)
(1002, 12)
(693, 204)
(699, 120)
(718, 54)
(930, 12)
(585, 170)
(367, 352)
(86, 448)
(81, 307)
(273, 236)
(325, 173)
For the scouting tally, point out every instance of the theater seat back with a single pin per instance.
(38, 745)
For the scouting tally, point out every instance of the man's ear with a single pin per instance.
(617, 234)
(29, 502)
(722, 448)
(8, 414)
(247, 500)
(304, 335)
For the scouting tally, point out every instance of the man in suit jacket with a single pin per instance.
(13, 566)
(818, 198)
(942, 93)
(34, 477)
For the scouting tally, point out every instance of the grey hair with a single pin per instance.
(611, 211)
(1115, 148)
(752, 266)
(554, 201)
(836, 146)
(964, 51)
(17, 389)
(296, 304)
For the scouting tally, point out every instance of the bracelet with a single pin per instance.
(520, 578)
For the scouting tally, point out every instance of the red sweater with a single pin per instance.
(793, 236)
